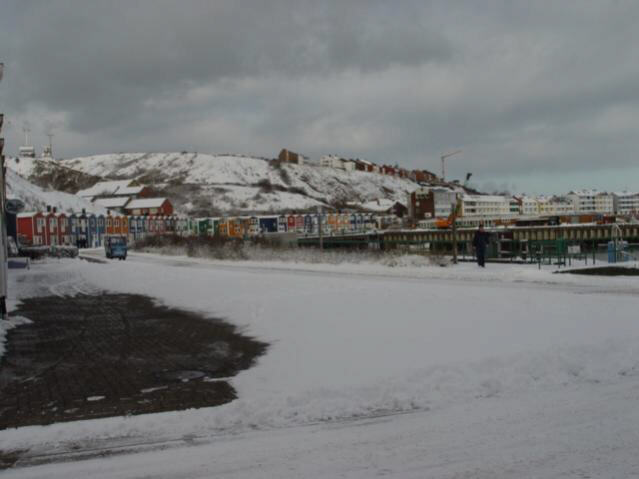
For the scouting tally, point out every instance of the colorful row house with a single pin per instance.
(87, 230)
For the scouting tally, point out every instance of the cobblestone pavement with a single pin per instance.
(90, 356)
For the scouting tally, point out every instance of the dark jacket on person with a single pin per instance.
(481, 240)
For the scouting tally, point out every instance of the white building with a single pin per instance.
(554, 206)
(487, 206)
(626, 203)
(333, 161)
(27, 151)
(529, 206)
(591, 202)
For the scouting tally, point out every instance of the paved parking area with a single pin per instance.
(92, 356)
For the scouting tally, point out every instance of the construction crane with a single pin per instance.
(443, 157)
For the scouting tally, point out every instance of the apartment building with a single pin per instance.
(490, 206)
(591, 202)
(431, 202)
(333, 161)
(626, 203)
(554, 206)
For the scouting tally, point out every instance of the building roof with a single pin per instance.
(625, 194)
(118, 202)
(129, 190)
(105, 188)
(146, 203)
(587, 193)
(27, 214)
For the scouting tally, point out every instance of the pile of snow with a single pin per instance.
(35, 198)
(6, 325)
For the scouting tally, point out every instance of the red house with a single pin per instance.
(290, 220)
(109, 224)
(31, 228)
(149, 206)
(388, 170)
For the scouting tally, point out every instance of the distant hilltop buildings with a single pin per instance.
(356, 164)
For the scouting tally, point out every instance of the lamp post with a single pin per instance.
(3, 226)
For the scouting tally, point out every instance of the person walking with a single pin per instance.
(480, 241)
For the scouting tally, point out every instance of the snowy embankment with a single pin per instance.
(361, 340)
(8, 325)
(37, 199)
(236, 182)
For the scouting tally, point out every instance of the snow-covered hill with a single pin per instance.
(35, 198)
(205, 184)
(50, 174)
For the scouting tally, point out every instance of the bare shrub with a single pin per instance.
(272, 249)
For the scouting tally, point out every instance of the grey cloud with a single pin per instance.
(97, 59)
(522, 87)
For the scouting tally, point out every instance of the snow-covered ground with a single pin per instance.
(35, 198)
(405, 371)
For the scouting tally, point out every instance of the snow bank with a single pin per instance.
(35, 198)
(7, 325)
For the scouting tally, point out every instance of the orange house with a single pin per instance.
(223, 228)
(234, 228)
(124, 225)
(332, 221)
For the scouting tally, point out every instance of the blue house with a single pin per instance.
(268, 224)
(308, 223)
(73, 228)
(100, 229)
(92, 231)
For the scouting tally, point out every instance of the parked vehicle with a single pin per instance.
(115, 247)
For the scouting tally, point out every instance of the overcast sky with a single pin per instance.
(540, 96)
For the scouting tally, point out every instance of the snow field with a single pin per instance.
(354, 341)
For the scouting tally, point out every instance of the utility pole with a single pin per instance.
(443, 157)
(26, 129)
(50, 135)
(456, 210)
(319, 228)
(3, 225)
